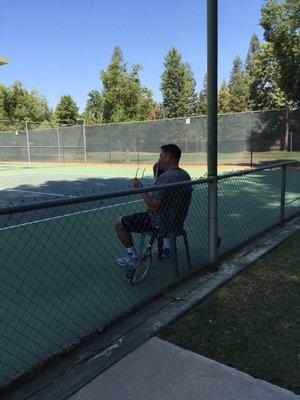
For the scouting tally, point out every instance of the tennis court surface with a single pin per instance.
(19, 183)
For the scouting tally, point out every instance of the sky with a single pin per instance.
(60, 46)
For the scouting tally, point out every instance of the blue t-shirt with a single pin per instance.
(175, 200)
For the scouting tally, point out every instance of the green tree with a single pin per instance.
(3, 94)
(157, 112)
(202, 103)
(238, 87)
(17, 105)
(123, 96)
(223, 99)
(177, 86)
(66, 111)
(254, 48)
(281, 23)
(192, 100)
(93, 110)
(264, 77)
(145, 105)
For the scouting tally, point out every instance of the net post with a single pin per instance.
(212, 126)
(84, 141)
(28, 144)
(58, 143)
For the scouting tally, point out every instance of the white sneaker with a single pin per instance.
(128, 262)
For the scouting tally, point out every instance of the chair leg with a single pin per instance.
(187, 250)
(160, 248)
(142, 243)
(174, 257)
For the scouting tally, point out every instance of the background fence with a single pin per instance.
(244, 138)
(59, 281)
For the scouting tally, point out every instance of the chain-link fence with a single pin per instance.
(59, 277)
(244, 139)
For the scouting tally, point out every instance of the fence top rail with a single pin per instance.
(10, 208)
(81, 121)
(257, 169)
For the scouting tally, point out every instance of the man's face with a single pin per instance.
(164, 159)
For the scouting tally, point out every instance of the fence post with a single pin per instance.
(213, 218)
(251, 150)
(84, 141)
(212, 126)
(109, 143)
(58, 143)
(28, 144)
(282, 194)
(138, 143)
(291, 141)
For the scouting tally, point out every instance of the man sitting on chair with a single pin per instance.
(157, 171)
(165, 207)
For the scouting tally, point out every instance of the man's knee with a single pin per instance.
(118, 224)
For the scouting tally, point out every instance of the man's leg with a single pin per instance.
(124, 236)
(126, 239)
(138, 222)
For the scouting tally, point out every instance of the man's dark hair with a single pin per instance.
(173, 150)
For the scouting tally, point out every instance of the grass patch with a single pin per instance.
(252, 323)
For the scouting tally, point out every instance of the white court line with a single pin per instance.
(32, 192)
(68, 215)
(67, 173)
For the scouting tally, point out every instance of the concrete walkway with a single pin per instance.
(159, 370)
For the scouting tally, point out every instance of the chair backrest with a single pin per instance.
(176, 207)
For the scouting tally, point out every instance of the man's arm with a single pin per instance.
(157, 171)
(152, 203)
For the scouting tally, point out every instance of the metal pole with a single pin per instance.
(282, 194)
(251, 151)
(287, 125)
(84, 141)
(138, 143)
(28, 145)
(212, 125)
(58, 143)
(109, 148)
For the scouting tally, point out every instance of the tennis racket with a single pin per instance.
(139, 272)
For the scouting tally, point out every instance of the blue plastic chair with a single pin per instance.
(173, 228)
(173, 248)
